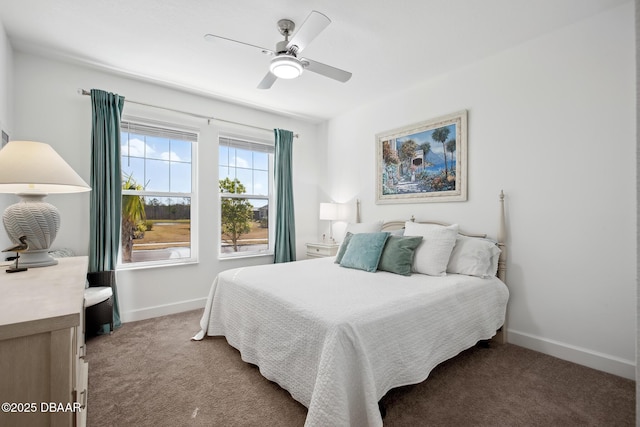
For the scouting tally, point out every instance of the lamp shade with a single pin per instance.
(329, 211)
(35, 167)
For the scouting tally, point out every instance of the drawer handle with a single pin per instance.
(317, 250)
(83, 393)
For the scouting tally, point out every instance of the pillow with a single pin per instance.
(364, 227)
(355, 228)
(399, 232)
(474, 256)
(343, 247)
(432, 255)
(397, 255)
(364, 250)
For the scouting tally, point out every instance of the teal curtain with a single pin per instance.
(106, 185)
(285, 244)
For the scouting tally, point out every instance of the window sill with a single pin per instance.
(245, 256)
(155, 264)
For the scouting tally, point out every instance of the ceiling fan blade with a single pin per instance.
(326, 70)
(213, 37)
(309, 30)
(267, 81)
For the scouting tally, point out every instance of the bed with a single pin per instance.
(339, 337)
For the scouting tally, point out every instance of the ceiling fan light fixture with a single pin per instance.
(286, 67)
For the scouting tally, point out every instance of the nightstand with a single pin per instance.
(320, 250)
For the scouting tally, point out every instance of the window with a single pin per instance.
(157, 193)
(245, 186)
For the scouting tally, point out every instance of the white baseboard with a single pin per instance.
(162, 310)
(582, 356)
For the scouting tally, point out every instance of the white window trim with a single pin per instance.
(194, 195)
(271, 201)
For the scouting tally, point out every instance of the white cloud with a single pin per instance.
(239, 162)
(136, 148)
(170, 155)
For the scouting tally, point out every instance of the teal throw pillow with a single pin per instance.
(397, 255)
(364, 250)
(343, 247)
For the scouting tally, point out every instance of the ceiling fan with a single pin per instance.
(285, 63)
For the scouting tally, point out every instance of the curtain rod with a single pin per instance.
(200, 116)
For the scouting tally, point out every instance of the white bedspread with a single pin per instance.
(338, 339)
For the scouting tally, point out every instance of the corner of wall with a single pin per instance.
(6, 108)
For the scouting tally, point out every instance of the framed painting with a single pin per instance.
(423, 162)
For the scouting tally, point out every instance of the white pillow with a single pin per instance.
(432, 256)
(474, 256)
(364, 227)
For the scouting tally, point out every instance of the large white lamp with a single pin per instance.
(330, 212)
(32, 170)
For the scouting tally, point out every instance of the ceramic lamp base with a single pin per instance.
(38, 258)
(39, 221)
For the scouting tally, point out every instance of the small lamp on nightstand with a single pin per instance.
(330, 212)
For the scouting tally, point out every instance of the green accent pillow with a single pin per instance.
(343, 247)
(397, 255)
(364, 250)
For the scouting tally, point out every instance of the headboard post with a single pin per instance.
(501, 336)
(502, 236)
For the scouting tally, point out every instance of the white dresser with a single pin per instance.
(43, 374)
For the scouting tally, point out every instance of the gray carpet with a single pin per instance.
(149, 373)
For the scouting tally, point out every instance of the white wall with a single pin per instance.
(6, 82)
(6, 107)
(49, 109)
(552, 123)
(637, 40)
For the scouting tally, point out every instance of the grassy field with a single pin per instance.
(257, 233)
(167, 233)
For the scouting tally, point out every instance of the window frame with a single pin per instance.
(250, 141)
(170, 126)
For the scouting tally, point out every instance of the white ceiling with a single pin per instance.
(387, 45)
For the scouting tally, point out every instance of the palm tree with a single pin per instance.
(451, 148)
(440, 135)
(132, 213)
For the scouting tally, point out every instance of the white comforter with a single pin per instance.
(338, 339)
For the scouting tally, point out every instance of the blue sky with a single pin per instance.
(161, 164)
(250, 167)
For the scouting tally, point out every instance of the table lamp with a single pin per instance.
(32, 170)
(329, 211)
